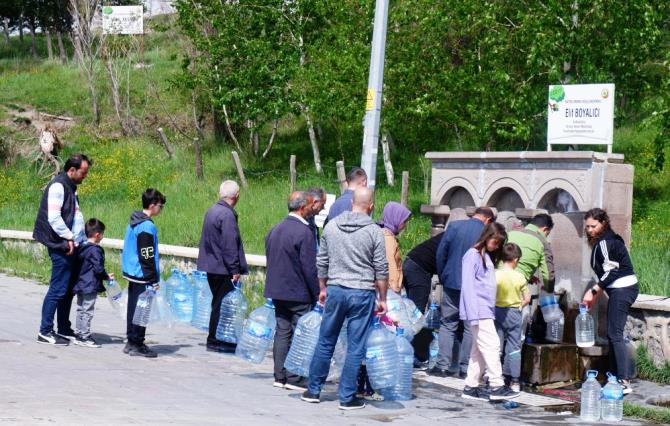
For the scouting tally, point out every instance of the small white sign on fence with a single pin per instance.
(580, 114)
(122, 20)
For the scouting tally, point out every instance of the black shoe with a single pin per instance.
(300, 385)
(307, 396)
(439, 372)
(420, 365)
(142, 350)
(502, 392)
(354, 404)
(128, 347)
(52, 338)
(86, 342)
(474, 393)
(462, 375)
(214, 347)
(69, 335)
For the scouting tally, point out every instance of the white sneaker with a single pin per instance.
(515, 386)
(278, 385)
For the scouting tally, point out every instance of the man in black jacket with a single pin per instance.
(60, 227)
(221, 255)
(291, 280)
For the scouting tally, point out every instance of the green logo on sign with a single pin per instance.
(556, 93)
(107, 10)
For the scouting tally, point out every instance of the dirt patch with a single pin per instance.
(27, 118)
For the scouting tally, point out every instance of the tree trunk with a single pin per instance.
(50, 49)
(33, 41)
(116, 98)
(312, 139)
(5, 29)
(61, 48)
(21, 29)
(198, 159)
(275, 124)
(230, 129)
(219, 126)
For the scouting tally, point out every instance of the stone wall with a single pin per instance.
(649, 324)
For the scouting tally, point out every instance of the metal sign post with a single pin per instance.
(373, 105)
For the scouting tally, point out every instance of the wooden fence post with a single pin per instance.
(294, 174)
(387, 161)
(198, 159)
(166, 143)
(240, 171)
(341, 176)
(404, 192)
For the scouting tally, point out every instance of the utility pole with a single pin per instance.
(373, 105)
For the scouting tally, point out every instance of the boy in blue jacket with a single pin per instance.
(140, 265)
(89, 282)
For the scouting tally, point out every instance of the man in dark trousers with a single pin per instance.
(222, 256)
(356, 178)
(460, 236)
(60, 227)
(290, 281)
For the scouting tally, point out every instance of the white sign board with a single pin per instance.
(122, 20)
(580, 114)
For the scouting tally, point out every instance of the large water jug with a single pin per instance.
(397, 312)
(416, 318)
(631, 352)
(402, 390)
(433, 350)
(182, 300)
(339, 355)
(259, 330)
(381, 357)
(202, 308)
(161, 313)
(554, 331)
(611, 402)
(305, 337)
(143, 308)
(525, 320)
(117, 298)
(590, 406)
(171, 284)
(433, 317)
(584, 328)
(231, 319)
(550, 309)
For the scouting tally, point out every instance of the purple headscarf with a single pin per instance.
(393, 216)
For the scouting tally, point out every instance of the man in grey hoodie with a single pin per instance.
(351, 265)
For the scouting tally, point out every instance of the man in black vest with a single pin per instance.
(291, 280)
(60, 227)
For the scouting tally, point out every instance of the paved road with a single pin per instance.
(185, 384)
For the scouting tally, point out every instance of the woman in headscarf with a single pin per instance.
(394, 220)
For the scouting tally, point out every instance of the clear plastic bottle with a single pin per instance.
(381, 357)
(203, 301)
(231, 319)
(171, 284)
(397, 311)
(555, 329)
(433, 317)
(416, 318)
(611, 402)
(631, 352)
(143, 309)
(433, 350)
(584, 328)
(402, 390)
(550, 309)
(117, 298)
(161, 313)
(304, 341)
(259, 330)
(182, 299)
(590, 398)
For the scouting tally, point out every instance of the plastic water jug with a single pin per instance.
(550, 309)
(433, 317)
(171, 284)
(433, 350)
(231, 319)
(611, 401)
(525, 320)
(182, 299)
(381, 357)
(304, 341)
(555, 329)
(161, 313)
(117, 298)
(259, 330)
(397, 311)
(402, 390)
(339, 355)
(631, 352)
(416, 318)
(590, 406)
(203, 301)
(143, 308)
(584, 328)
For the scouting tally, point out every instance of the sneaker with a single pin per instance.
(515, 385)
(473, 393)
(354, 404)
(69, 335)
(374, 396)
(307, 396)
(277, 384)
(214, 347)
(300, 385)
(438, 372)
(420, 365)
(142, 350)
(86, 341)
(625, 387)
(52, 338)
(127, 348)
(502, 392)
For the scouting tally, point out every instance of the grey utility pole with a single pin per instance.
(373, 105)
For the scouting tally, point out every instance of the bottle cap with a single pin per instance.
(592, 373)
(583, 308)
(399, 331)
(318, 307)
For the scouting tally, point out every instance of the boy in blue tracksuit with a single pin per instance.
(140, 265)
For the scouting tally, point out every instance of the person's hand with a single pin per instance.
(111, 276)
(156, 286)
(589, 298)
(70, 247)
(381, 307)
(236, 278)
(322, 297)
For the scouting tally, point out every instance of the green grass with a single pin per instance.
(659, 415)
(647, 370)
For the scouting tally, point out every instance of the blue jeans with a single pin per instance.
(356, 306)
(58, 299)
(508, 325)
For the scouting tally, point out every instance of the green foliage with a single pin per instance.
(660, 415)
(647, 370)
